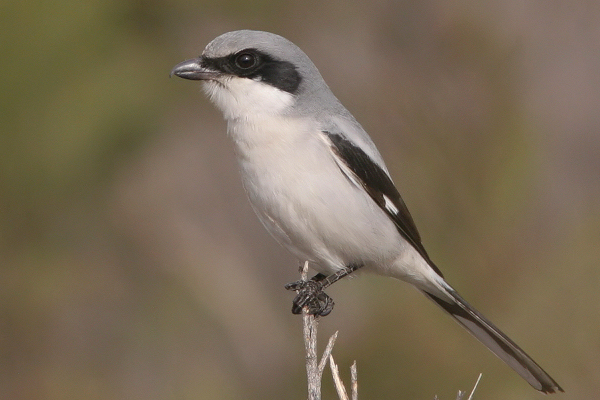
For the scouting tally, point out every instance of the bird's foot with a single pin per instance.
(310, 295)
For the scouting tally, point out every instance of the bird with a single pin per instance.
(318, 184)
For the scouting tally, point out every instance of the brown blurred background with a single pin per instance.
(132, 267)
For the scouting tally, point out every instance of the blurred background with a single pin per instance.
(132, 266)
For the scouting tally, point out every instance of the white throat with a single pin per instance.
(243, 98)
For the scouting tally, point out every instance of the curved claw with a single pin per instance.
(310, 295)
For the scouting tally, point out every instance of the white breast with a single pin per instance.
(304, 200)
(294, 184)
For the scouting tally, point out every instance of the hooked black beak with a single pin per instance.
(193, 69)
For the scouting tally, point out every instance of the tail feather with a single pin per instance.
(500, 344)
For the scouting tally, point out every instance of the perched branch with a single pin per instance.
(310, 325)
(314, 367)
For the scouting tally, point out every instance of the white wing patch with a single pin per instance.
(389, 205)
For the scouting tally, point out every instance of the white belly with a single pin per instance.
(300, 195)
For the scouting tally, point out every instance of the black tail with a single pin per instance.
(496, 341)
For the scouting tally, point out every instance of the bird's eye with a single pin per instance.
(245, 60)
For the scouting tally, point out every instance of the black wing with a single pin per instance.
(380, 187)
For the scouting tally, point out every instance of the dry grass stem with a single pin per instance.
(475, 387)
(461, 394)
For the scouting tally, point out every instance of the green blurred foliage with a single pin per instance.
(132, 266)
(79, 93)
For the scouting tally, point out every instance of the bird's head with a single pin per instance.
(253, 73)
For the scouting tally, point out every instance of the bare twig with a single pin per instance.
(327, 353)
(339, 385)
(354, 381)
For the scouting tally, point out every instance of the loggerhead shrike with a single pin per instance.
(318, 184)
